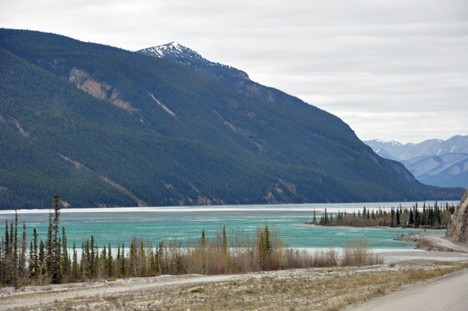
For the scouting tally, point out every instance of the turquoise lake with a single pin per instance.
(117, 225)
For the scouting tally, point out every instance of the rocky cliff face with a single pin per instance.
(457, 228)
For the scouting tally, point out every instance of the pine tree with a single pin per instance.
(75, 266)
(92, 260)
(31, 261)
(104, 260)
(48, 245)
(23, 275)
(65, 259)
(42, 258)
(15, 252)
(55, 268)
(35, 257)
(123, 269)
(110, 262)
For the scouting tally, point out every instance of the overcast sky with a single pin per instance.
(393, 70)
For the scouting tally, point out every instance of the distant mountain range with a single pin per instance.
(433, 162)
(102, 126)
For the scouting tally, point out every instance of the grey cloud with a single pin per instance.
(387, 68)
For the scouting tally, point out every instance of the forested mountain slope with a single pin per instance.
(102, 126)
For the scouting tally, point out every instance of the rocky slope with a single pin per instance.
(457, 227)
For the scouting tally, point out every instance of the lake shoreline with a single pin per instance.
(372, 227)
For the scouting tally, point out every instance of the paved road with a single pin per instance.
(441, 240)
(446, 293)
(442, 294)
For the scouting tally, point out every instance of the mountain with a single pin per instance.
(238, 81)
(385, 154)
(102, 126)
(188, 57)
(431, 147)
(448, 170)
(433, 162)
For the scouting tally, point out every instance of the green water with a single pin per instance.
(120, 225)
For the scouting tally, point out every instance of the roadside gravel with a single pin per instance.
(302, 289)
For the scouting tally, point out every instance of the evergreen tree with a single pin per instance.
(55, 268)
(65, 259)
(48, 245)
(75, 266)
(15, 252)
(392, 217)
(35, 257)
(23, 275)
(104, 261)
(42, 258)
(31, 260)
(123, 269)
(110, 262)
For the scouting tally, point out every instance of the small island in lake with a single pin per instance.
(430, 217)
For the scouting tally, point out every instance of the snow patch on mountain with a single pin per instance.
(186, 56)
(434, 161)
(171, 49)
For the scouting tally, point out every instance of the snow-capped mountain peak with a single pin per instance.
(188, 57)
(171, 49)
(434, 161)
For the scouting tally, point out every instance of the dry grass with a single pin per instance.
(303, 289)
(231, 252)
(357, 253)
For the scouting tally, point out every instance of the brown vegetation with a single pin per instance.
(225, 253)
(301, 289)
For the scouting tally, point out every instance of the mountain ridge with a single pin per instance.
(429, 147)
(433, 161)
(110, 127)
(184, 56)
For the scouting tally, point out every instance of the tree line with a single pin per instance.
(433, 217)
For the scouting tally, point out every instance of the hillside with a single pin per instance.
(107, 127)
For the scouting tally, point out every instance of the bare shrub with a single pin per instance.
(357, 253)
